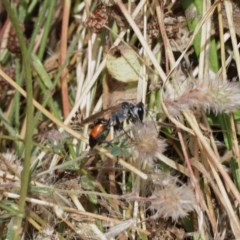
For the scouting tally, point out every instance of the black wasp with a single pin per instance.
(124, 112)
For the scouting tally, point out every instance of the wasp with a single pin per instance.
(124, 112)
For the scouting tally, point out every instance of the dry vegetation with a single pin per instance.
(174, 175)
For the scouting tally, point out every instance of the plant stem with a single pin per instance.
(64, 37)
(25, 178)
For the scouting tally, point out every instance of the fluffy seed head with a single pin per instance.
(172, 201)
(211, 94)
(11, 159)
(146, 142)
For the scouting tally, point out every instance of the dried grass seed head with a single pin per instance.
(211, 94)
(146, 141)
(222, 96)
(173, 202)
(9, 158)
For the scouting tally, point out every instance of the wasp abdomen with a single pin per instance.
(99, 132)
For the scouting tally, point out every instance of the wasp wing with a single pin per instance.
(95, 116)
